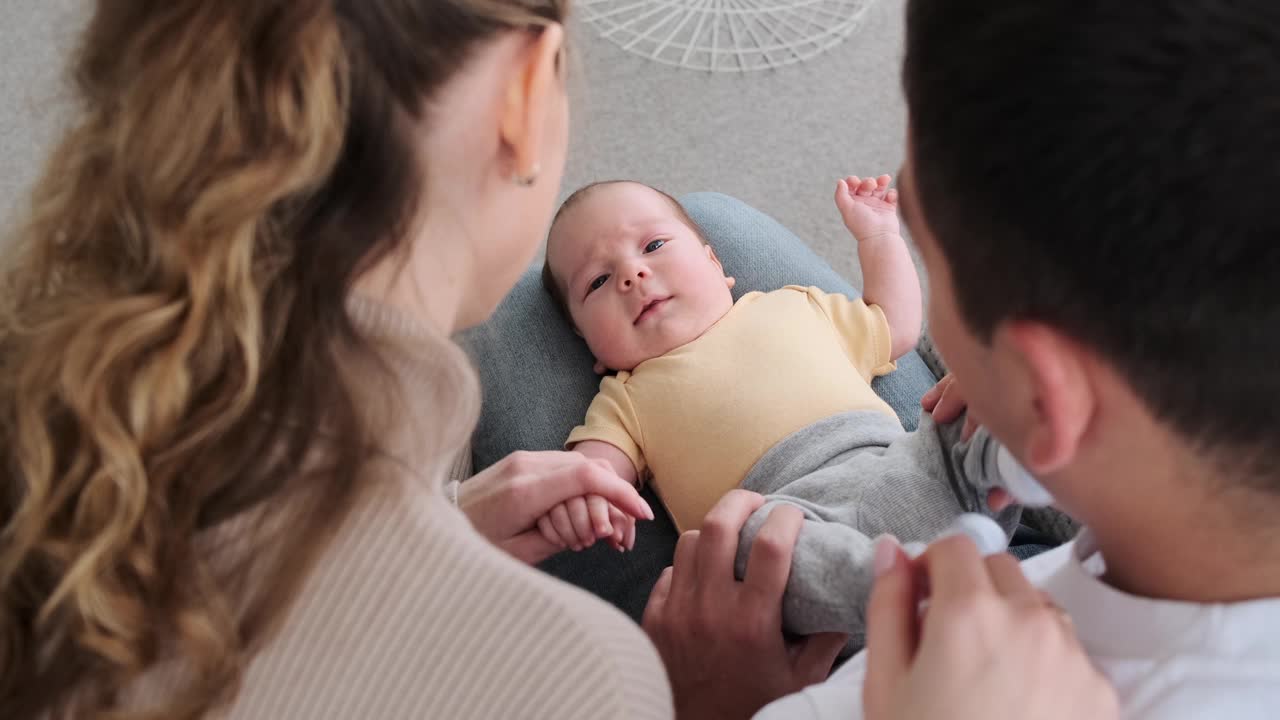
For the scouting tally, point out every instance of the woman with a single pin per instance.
(227, 394)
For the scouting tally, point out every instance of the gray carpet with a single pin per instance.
(778, 139)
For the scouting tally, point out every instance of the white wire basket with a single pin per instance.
(725, 35)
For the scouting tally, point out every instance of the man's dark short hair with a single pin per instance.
(1112, 169)
(549, 281)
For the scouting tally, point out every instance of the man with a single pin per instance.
(1092, 189)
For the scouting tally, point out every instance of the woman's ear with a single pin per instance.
(534, 91)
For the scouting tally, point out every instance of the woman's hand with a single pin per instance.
(505, 500)
(721, 639)
(946, 402)
(990, 646)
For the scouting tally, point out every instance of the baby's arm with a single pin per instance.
(618, 460)
(870, 211)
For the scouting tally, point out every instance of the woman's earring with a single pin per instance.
(527, 180)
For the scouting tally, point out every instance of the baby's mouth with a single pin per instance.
(648, 309)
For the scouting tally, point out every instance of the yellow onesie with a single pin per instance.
(699, 417)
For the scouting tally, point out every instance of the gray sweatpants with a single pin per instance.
(856, 476)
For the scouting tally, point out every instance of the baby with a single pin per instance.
(771, 393)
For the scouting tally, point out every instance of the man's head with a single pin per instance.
(1094, 194)
(633, 272)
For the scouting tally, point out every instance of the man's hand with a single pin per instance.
(946, 403)
(721, 639)
(990, 646)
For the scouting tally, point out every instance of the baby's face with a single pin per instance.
(638, 281)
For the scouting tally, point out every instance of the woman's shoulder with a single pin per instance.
(410, 612)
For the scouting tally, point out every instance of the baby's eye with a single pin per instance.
(654, 245)
(597, 283)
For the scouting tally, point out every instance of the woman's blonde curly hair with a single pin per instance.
(174, 343)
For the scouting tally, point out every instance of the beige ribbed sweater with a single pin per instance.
(409, 613)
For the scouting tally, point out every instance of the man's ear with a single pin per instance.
(1062, 394)
(711, 253)
(531, 96)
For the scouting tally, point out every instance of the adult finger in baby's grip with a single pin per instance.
(769, 564)
(530, 547)
(590, 478)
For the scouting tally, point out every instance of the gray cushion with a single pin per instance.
(537, 380)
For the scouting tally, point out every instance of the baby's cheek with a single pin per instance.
(606, 340)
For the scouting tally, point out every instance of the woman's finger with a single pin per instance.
(564, 527)
(530, 547)
(718, 542)
(538, 481)
(629, 541)
(590, 478)
(769, 564)
(581, 520)
(892, 626)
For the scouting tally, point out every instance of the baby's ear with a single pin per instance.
(599, 367)
(711, 253)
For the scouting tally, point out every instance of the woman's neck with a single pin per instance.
(422, 278)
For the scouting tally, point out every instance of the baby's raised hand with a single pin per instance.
(868, 206)
(578, 522)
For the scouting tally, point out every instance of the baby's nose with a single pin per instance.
(630, 279)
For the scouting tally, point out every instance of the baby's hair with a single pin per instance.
(549, 281)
